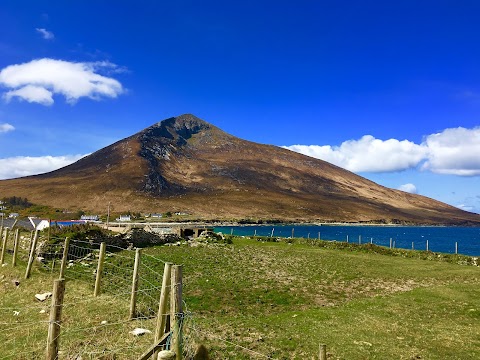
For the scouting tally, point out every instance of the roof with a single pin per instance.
(24, 223)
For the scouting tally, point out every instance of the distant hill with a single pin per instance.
(186, 164)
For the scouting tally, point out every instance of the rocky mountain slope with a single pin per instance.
(186, 164)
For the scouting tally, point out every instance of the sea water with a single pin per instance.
(440, 238)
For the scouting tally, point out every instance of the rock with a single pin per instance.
(139, 332)
(104, 322)
(16, 282)
(166, 355)
(43, 311)
(43, 297)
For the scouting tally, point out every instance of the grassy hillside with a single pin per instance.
(254, 300)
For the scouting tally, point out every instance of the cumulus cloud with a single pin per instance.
(26, 165)
(6, 128)
(409, 188)
(38, 80)
(47, 35)
(453, 151)
(368, 154)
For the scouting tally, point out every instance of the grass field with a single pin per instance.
(254, 300)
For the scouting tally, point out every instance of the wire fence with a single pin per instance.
(91, 327)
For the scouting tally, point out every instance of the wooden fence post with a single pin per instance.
(427, 245)
(391, 243)
(176, 311)
(319, 238)
(413, 245)
(4, 246)
(133, 297)
(322, 354)
(162, 305)
(15, 247)
(347, 238)
(64, 258)
(101, 258)
(359, 239)
(293, 232)
(33, 247)
(1, 234)
(55, 319)
(456, 247)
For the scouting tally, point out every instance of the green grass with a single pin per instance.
(279, 300)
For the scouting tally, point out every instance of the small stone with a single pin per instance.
(43, 297)
(43, 311)
(166, 355)
(104, 322)
(139, 332)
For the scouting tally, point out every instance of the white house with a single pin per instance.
(90, 217)
(39, 224)
(124, 218)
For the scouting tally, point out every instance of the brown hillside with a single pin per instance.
(186, 164)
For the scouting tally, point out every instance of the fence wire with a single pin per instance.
(91, 327)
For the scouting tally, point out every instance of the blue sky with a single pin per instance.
(387, 89)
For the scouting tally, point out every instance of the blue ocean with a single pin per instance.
(439, 238)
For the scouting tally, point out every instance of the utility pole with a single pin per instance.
(108, 214)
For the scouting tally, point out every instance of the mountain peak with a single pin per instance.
(178, 128)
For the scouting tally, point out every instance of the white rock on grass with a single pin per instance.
(166, 355)
(139, 332)
(43, 297)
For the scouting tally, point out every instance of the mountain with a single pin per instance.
(186, 164)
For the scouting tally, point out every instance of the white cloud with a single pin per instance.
(368, 154)
(453, 151)
(47, 35)
(409, 188)
(6, 128)
(26, 165)
(37, 81)
(466, 207)
(31, 93)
